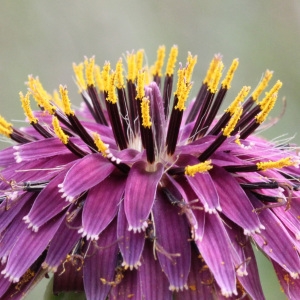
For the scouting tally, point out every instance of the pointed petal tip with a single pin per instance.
(131, 267)
(138, 229)
(174, 288)
(228, 294)
(84, 233)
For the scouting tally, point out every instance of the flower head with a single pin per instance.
(143, 194)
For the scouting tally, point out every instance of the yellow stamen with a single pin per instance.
(131, 65)
(191, 62)
(276, 87)
(161, 52)
(233, 121)
(213, 84)
(65, 100)
(40, 95)
(238, 100)
(182, 90)
(266, 108)
(5, 127)
(284, 162)
(139, 60)
(89, 71)
(106, 76)
(140, 89)
(172, 61)
(198, 168)
(26, 107)
(262, 85)
(145, 108)
(119, 79)
(100, 145)
(111, 95)
(98, 78)
(229, 76)
(212, 67)
(78, 70)
(59, 132)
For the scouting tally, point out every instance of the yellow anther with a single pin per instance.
(66, 101)
(103, 148)
(98, 78)
(191, 62)
(5, 127)
(229, 76)
(182, 90)
(58, 131)
(78, 70)
(233, 121)
(26, 107)
(284, 162)
(262, 85)
(140, 88)
(212, 67)
(198, 168)
(131, 65)
(145, 108)
(111, 94)
(106, 76)
(139, 59)
(40, 95)
(266, 108)
(213, 84)
(238, 100)
(276, 87)
(119, 79)
(57, 100)
(89, 71)
(172, 61)
(161, 52)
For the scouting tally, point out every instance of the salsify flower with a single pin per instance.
(138, 194)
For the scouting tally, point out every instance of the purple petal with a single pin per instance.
(140, 194)
(271, 240)
(215, 250)
(30, 245)
(6, 156)
(47, 204)
(101, 206)
(63, 242)
(86, 173)
(12, 234)
(157, 113)
(245, 261)
(172, 246)
(199, 281)
(131, 244)
(100, 263)
(7, 215)
(128, 288)
(4, 282)
(154, 283)
(69, 276)
(204, 188)
(39, 149)
(234, 202)
(291, 286)
(251, 282)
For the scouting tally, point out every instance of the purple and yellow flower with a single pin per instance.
(142, 194)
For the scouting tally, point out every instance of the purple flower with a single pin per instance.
(139, 195)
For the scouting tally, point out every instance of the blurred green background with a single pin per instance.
(44, 37)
